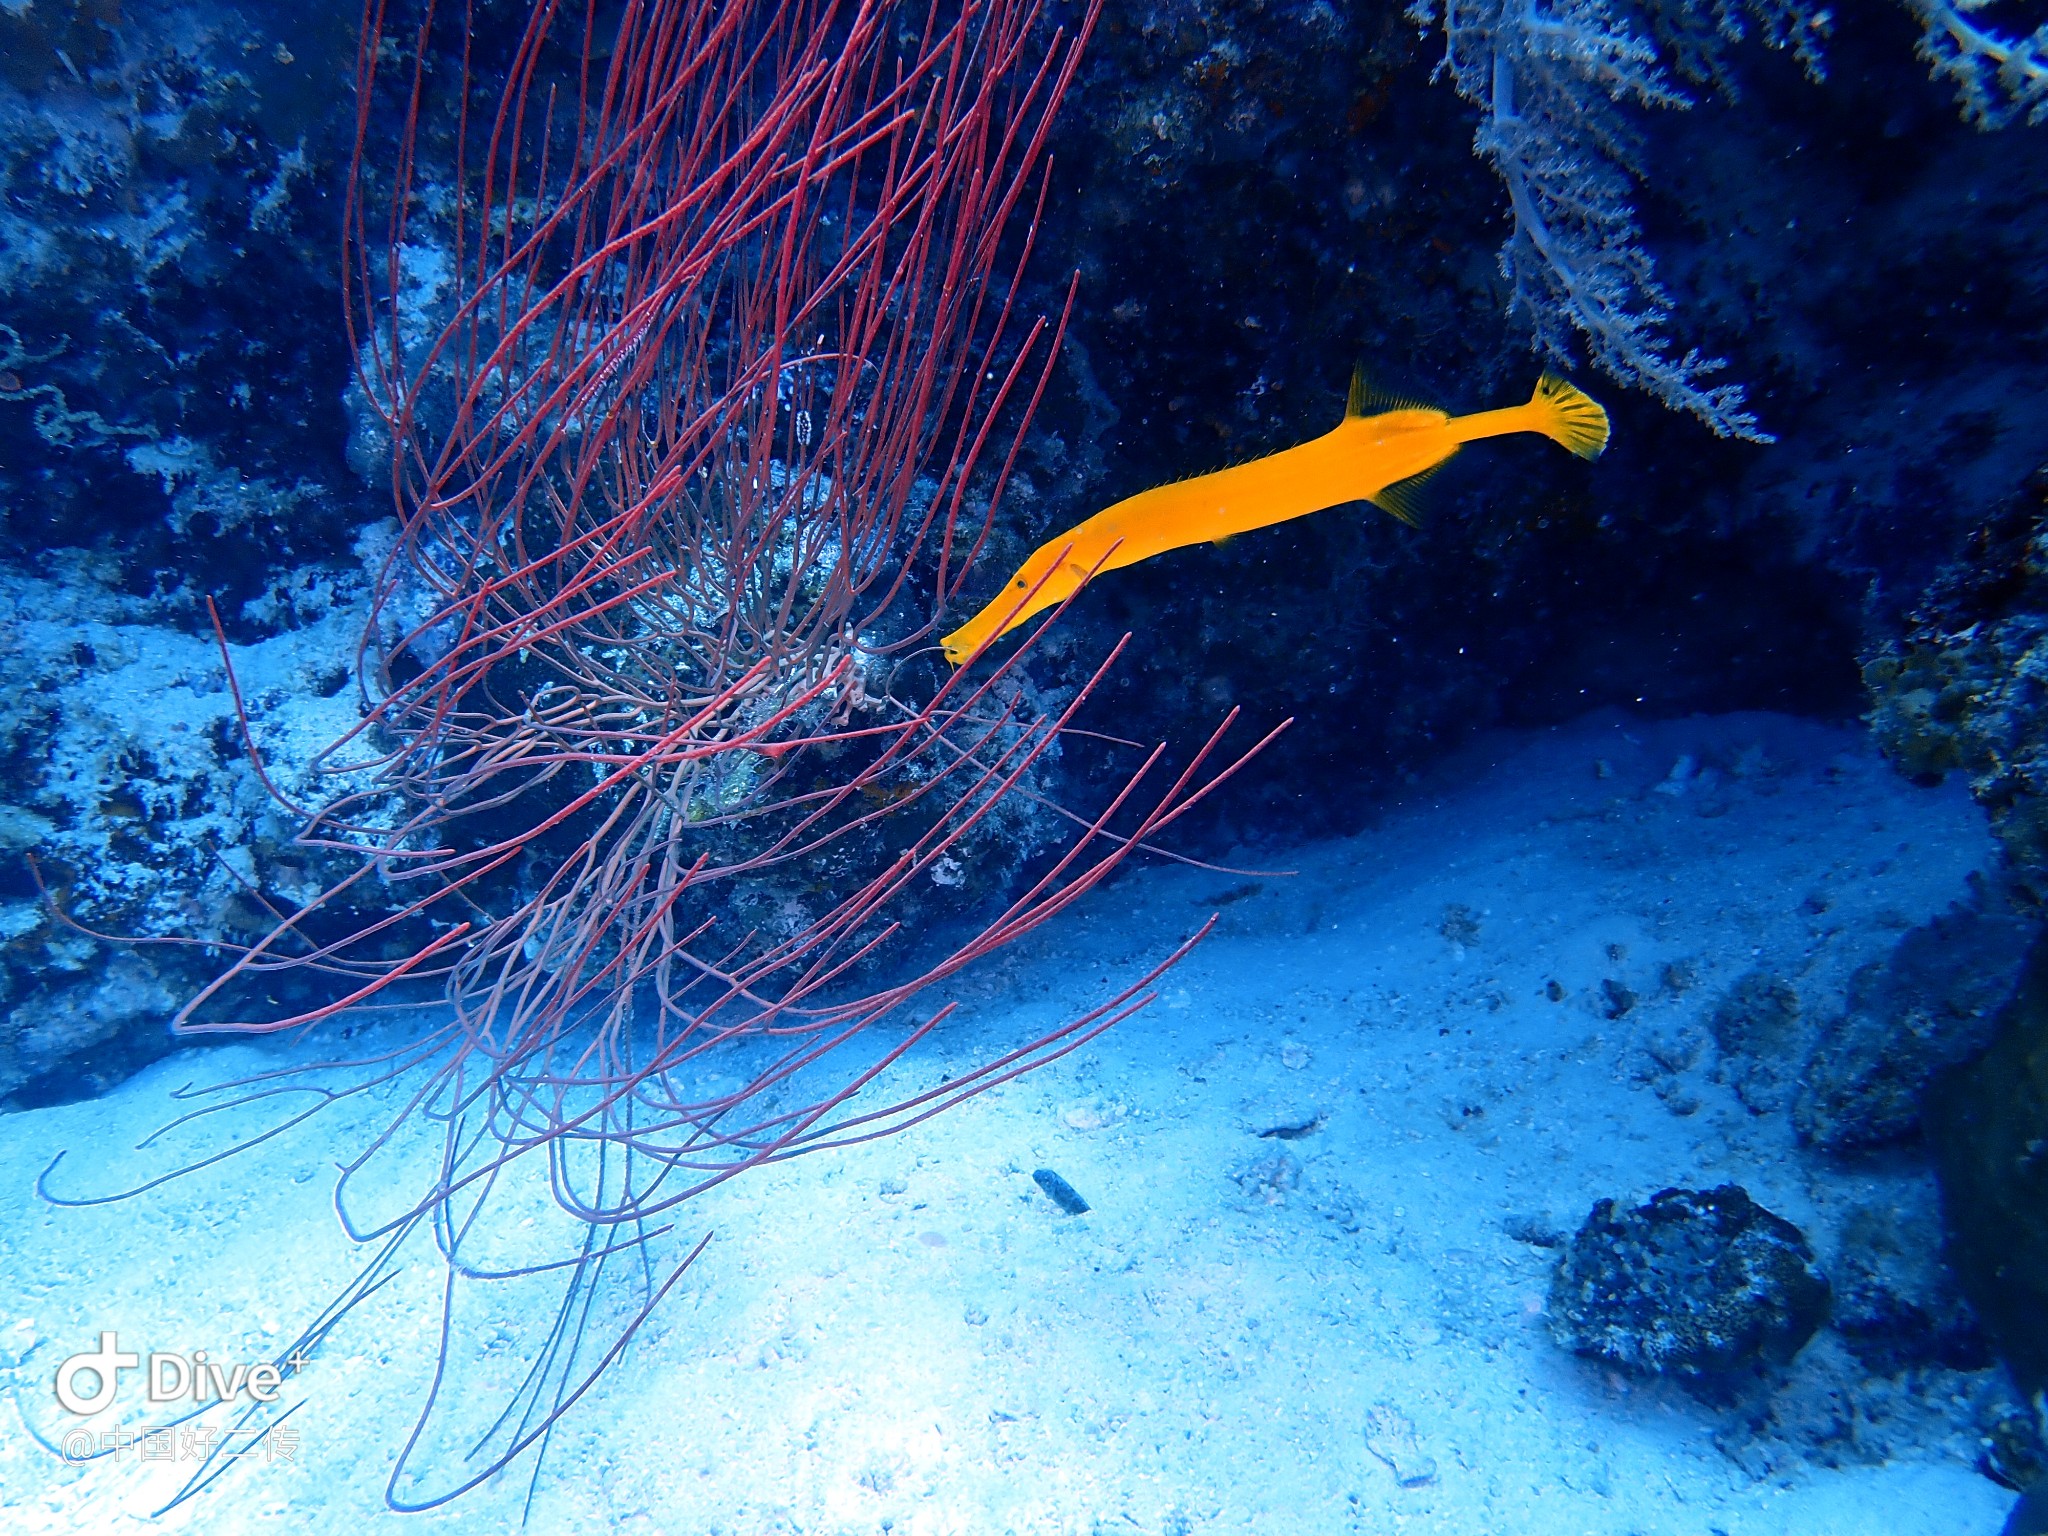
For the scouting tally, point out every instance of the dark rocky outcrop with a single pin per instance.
(1760, 1035)
(1989, 1126)
(1931, 1004)
(1702, 1285)
(1896, 1305)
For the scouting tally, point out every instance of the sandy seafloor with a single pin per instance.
(908, 1337)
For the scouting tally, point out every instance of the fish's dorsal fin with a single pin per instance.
(1366, 400)
(1354, 404)
(1400, 499)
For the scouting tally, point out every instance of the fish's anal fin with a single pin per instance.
(1400, 499)
(1365, 400)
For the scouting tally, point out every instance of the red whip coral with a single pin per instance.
(694, 346)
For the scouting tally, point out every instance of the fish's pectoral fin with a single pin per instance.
(1367, 400)
(1400, 498)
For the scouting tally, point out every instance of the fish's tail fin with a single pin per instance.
(1569, 416)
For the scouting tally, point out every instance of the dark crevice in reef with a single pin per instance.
(1255, 201)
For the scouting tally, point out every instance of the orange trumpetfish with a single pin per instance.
(1377, 458)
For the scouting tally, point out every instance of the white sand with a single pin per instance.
(909, 1337)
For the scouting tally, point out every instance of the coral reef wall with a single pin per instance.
(1961, 688)
(129, 784)
(172, 361)
(172, 355)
